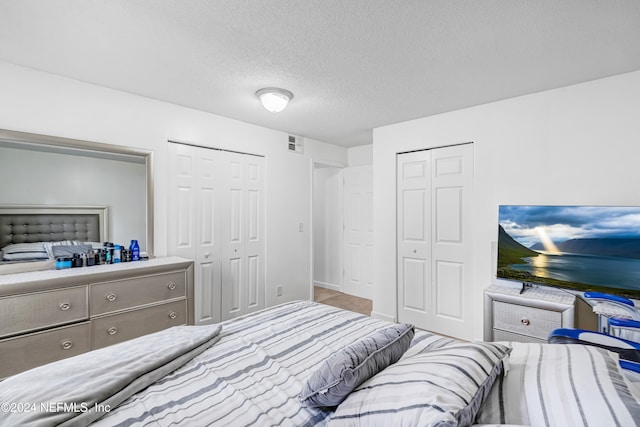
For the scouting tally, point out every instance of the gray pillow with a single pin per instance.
(345, 370)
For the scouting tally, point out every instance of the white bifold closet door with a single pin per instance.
(435, 264)
(216, 218)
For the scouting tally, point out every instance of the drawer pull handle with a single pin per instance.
(525, 321)
(64, 306)
(111, 297)
(171, 286)
(172, 315)
(66, 345)
(112, 330)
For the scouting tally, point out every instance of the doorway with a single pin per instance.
(327, 220)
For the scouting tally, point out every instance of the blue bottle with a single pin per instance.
(135, 250)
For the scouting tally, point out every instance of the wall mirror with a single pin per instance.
(61, 174)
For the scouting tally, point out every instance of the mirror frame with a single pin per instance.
(86, 146)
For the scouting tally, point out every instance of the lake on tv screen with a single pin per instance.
(588, 269)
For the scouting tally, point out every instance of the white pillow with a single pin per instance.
(24, 251)
(445, 386)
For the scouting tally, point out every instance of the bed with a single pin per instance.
(296, 364)
(30, 233)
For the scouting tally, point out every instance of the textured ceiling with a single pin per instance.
(352, 65)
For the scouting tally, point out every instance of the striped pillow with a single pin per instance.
(562, 385)
(445, 387)
(345, 370)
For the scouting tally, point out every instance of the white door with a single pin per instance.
(216, 218)
(358, 231)
(434, 195)
(208, 237)
(194, 232)
(243, 236)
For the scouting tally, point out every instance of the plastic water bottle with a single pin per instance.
(117, 253)
(135, 250)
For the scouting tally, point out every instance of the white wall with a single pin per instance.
(42, 103)
(574, 145)
(361, 155)
(327, 227)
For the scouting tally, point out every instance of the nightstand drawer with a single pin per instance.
(523, 320)
(123, 294)
(29, 312)
(124, 326)
(28, 351)
(499, 335)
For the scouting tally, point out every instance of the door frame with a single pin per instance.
(312, 166)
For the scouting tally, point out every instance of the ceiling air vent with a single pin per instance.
(296, 144)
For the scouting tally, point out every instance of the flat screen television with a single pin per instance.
(583, 248)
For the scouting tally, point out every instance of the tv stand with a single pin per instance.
(514, 315)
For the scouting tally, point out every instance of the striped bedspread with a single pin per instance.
(252, 376)
(561, 385)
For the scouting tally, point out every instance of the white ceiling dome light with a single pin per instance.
(274, 99)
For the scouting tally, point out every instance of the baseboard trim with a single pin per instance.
(327, 285)
(383, 316)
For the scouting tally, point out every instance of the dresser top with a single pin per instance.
(49, 279)
(537, 293)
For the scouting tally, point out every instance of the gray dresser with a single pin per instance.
(50, 315)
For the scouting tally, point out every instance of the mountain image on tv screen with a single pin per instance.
(584, 248)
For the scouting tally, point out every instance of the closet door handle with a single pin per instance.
(207, 254)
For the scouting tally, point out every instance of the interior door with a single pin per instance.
(194, 230)
(243, 235)
(435, 263)
(358, 231)
(208, 235)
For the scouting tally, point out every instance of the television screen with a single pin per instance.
(584, 248)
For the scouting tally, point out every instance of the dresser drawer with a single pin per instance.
(28, 312)
(116, 328)
(123, 294)
(28, 351)
(523, 320)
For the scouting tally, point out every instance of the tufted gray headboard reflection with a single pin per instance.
(28, 224)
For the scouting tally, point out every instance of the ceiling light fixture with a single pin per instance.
(274, 99)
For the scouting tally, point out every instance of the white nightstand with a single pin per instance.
(525, 317)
